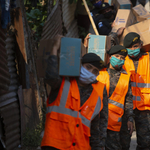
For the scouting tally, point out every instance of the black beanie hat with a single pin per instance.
(118, 49)
(131, 39)
(93, 59)
(104, 6)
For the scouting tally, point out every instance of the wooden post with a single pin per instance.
(91, 19)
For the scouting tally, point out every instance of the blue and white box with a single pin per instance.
(70, 56)
(99, 44)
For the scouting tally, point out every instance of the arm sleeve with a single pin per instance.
(103, 120)
(95, 134)
(114, 38)
(99, 127)
(52, 76)
(103, 29)
(129, 104)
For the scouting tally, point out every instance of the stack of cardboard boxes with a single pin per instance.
(101, 44)
(142, 27)
(141, 13)
(134, 19)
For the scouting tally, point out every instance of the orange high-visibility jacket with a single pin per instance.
(116, 100)
(67, 125)
(140, 82)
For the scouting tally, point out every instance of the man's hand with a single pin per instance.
(120, 31)
(56, 45)
(130, 126)
(113, 24)
(86, 40)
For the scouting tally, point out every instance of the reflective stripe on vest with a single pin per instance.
(133, 84)
(140, 85)
(66, 111)
(140, 81)
(116, 103)
(119, 119)
(138, 98)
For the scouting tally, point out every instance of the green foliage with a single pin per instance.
(32, 136)
(36, 17)
(54, 2)
(82, 32)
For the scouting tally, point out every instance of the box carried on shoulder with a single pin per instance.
(124, 18)
(141, 13)
(143, 29)
(100, 44)
(70, 56)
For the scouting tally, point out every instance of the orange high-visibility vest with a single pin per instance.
(67, 125)
(140, 82)
(103, 77)
(116, 100)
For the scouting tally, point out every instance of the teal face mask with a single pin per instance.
(133, 53)
(116, 63)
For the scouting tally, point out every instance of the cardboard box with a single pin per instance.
(124, 18)
(121, 4)
(147, 5)
(42, 56)
(143, 29)
(44, 53)
(141, 13)
(70, 57)
(100, 44)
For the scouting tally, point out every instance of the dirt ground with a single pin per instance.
(133, 141)
(132, 145)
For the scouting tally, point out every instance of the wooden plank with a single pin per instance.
(18, 24)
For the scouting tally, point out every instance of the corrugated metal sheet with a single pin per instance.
(53, 24)
(9, 103)
(68, 13)
(4, 73)
(11, 95)
(61, 21)
(73, 30)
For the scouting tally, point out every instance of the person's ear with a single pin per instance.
(141, 43)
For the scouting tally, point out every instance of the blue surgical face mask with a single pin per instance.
(133, 53)
(116, 63)
(86, 76)
(98, 4)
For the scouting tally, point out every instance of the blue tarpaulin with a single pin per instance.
(5, 7)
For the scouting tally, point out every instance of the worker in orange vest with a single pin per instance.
(118, 87)
(77, 107)
(138, 64)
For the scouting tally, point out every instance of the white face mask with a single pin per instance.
(86, 76)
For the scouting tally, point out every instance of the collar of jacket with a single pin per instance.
(77, 79)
